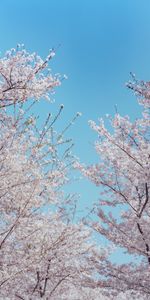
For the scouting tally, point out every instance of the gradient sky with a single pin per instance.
(101, 41)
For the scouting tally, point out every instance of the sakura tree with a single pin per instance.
(123, 212)
(43, 254)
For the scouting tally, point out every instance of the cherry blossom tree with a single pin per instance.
(43, 254)
(123, 212)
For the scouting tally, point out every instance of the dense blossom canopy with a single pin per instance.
(42, 253)
(123, 174)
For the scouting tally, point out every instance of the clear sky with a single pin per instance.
(101, 41)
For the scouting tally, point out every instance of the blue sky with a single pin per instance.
(101, 41)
